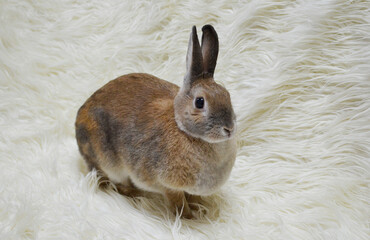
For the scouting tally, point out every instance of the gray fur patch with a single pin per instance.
(82, 134)
(223, 117)
(139, 144)
(109, 133)
(83, 138)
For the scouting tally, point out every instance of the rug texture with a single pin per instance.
(299, 77)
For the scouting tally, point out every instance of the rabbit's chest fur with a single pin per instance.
(215, 168)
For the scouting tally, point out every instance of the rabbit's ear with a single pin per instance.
(194, 59)
(209, 49)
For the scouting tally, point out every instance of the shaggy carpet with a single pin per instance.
(299, 76)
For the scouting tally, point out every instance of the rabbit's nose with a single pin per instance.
(228, 131)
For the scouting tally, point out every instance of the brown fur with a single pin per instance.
(128, 131)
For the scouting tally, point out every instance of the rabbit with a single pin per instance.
(146, 134)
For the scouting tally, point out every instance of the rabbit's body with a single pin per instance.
(143, 132)
(116, 138)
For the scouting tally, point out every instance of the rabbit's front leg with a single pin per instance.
(178, 203)
(195, 203)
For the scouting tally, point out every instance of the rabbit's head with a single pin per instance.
(203, 108)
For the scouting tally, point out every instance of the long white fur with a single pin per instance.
(299, 76)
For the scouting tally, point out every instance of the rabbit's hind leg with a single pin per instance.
(127, 188)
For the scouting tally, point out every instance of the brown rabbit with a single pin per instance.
(142, 132)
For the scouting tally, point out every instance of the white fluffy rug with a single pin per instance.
(299, 76)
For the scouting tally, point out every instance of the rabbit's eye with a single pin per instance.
(199, 102)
